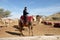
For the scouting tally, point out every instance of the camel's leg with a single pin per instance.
(21, 27)
(21, 30)
(29, 27)
(29, 30)
(32, 30)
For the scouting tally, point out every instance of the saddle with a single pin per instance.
(29, 18)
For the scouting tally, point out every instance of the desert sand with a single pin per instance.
(38, 30)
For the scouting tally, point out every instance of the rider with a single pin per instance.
(25, 14)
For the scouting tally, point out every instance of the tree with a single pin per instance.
(1, 12)
(4, 13)
(7, 13)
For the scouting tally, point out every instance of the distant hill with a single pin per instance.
(55, 16)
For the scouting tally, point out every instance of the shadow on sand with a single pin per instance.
(1, 26)
(16, 26)
(49, 34)
(14, 33)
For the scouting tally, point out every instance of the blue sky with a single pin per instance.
(34, 7)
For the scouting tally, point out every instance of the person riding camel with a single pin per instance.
(25, 14)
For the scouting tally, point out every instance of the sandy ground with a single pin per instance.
(38, 30)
